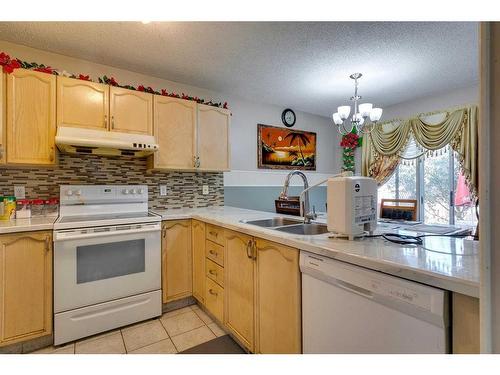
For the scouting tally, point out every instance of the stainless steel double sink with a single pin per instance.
(293, 226)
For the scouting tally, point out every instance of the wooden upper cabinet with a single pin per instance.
(198, 241)
(31, 118)
(131, 111)
(177, 261)
(3, 113)
(175, 131)
(279, 299)
(25, 286)
(213, 138)
(82, 104)
(239, 287)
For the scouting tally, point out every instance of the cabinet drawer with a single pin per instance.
(215, 272)
(215, 252)
(214, 298)
(215, 234)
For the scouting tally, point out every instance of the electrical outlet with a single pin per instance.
(19, 192)
(163, 190)
(205, 190)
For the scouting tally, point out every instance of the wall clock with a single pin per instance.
(288, 117)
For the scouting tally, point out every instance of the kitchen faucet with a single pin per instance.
(304, 196)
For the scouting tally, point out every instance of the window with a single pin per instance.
(438, 186)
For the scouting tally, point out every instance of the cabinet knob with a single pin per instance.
(112, 122)
(212, 292)
(212, 272)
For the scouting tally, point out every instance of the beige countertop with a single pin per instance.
(27, 225)
(447, 263)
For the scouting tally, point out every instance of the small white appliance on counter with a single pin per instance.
(107, 260)
(352, 205)
(349, 309)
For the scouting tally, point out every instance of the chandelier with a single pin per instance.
(364, 116)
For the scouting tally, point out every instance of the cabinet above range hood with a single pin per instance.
(72, 140)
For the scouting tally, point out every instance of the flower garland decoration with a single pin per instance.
(349, 143)
(9, 64)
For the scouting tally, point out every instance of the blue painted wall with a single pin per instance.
(262, 198)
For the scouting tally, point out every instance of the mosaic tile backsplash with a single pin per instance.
(184, 189)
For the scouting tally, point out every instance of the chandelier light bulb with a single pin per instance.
(336, 119)
(375, 114)
(344, 111)
(358, 119)
(365, 109)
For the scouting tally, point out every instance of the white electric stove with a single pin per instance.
(107, 260)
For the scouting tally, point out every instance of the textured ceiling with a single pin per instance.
(304, 66)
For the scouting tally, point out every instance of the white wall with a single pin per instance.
(246, 114)
(444, 100)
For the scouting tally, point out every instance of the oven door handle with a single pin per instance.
(65, 236)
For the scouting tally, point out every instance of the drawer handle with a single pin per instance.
(212, 292)
(212, 253)
(212, 272)
(213, 233)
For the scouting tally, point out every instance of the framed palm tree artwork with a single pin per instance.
(283, 148)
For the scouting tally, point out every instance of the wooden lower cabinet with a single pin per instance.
(214, 299)
(198, 242)
(177, 260)
(465, 324)
(278, 299)
(25, 286)
(239, 288)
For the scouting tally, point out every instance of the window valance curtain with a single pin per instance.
(385, 146)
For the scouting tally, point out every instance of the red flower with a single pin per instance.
(4, 58)
(164, 92)
(45, 69)
(8, 64)
(112, 81)
(83, 78)
(225, 105)
(140, 88)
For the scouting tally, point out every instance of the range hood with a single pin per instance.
(74, 140)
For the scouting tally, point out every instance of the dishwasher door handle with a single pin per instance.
(352, 288)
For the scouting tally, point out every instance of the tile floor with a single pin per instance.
(173, 332)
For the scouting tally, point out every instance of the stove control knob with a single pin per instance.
(78, 192)
(132, 191)
(69, 193)
(125, 191)
(139, 191)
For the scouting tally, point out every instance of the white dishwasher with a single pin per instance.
(350, 309)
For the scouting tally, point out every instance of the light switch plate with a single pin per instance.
(205, 190)
(163, 190)
(19, 192)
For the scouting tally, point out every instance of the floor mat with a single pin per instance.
(220, 345)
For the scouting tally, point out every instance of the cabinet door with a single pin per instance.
(3, 112)
(82, 104)
(198, 235)
(25, 286)
(131, 111)
(278, 299)
(239, 287)
(175, 124)
(177, 261)
(31, 117)
(213, 138)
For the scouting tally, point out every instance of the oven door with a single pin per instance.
(105, 263)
